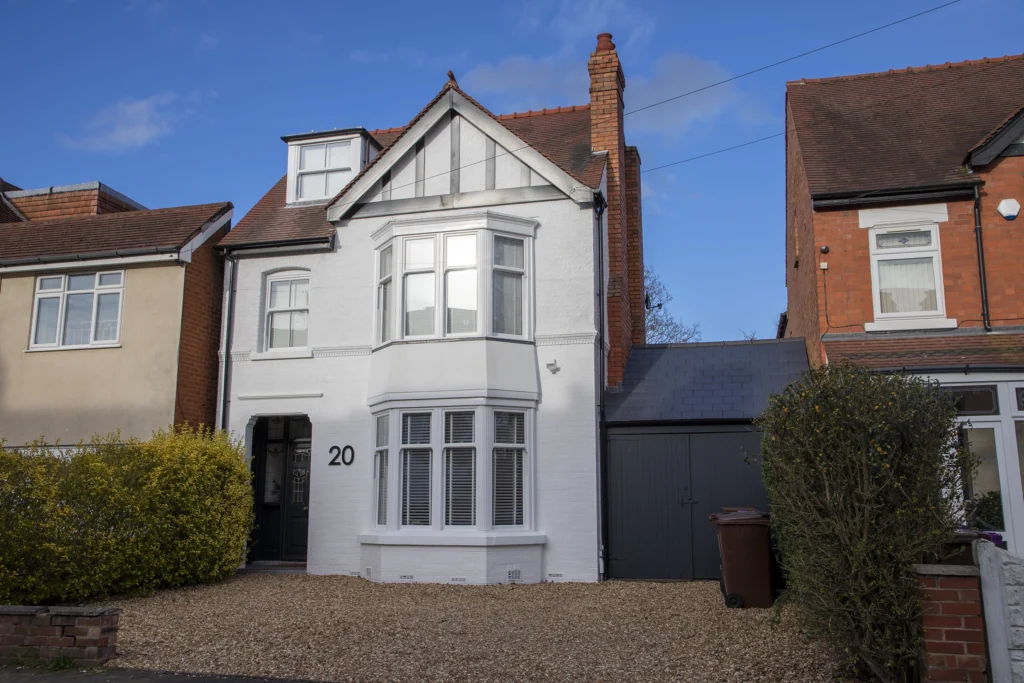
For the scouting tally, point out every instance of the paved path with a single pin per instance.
(26, 675)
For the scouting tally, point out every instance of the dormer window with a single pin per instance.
(321, 164)
(324, 168)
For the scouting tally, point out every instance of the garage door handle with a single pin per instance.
(689, 501)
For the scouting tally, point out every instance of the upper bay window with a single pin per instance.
(457, 283)
(77, 310)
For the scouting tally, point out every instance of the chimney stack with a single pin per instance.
(606, 135)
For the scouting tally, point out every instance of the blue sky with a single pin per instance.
(184, 102)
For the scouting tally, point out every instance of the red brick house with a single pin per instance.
(901, 248)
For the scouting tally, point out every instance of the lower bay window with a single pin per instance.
(442, 482)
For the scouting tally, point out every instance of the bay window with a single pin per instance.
(77, 310)
(287, 312)
(456, 491)
(454, 283)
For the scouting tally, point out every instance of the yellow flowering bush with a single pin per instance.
(111, 517)
(865, 473)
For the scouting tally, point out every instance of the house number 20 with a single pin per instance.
(347, 455)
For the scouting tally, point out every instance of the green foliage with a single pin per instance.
(865, 474)
(111, 517)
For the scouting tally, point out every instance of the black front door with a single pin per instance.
(281, 458)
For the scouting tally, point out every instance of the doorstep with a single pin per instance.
(273, 567)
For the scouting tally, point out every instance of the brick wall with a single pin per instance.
(607, 84)
(196, 401)
(848, 278)
(953, 627)
(85, 635)
(63, 204)
(635, 246)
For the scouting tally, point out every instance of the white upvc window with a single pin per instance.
(454, 283)
(324, 168)
(906, 272)
(287, 312)
(507, 468)
(459, 491)
(77, 310)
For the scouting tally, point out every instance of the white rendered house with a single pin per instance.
(419, 324)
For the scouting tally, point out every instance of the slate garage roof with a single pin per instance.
(901, 129)
(124, 233)
(705, 381)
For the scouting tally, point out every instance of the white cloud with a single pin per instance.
(522, 82)
(129, 124)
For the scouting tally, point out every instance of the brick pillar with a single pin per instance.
(606, 135)
(954, 631)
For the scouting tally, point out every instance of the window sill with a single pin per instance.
(449, 538)
(282, 354)
(73, 348)
(903, 324)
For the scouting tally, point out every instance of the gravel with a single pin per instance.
(335, 628)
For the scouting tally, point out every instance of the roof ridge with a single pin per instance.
(542, 112)
(927, 68)
(111, 215)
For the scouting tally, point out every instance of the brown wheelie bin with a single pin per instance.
(745, 547)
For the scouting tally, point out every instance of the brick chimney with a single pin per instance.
(606, 134)
(85, 199)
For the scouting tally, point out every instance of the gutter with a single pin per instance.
(886, 196)
(981, 261)
(276, 244)
(948, 369)
(141, 255)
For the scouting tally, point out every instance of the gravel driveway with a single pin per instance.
(335, 628)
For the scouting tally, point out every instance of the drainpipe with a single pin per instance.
(981, 260)
(600, 204)
(229, 323)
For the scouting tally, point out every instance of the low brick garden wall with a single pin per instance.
(954, 629)
(85, 635)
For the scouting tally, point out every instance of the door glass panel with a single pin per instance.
(984, 498)
(272, 477)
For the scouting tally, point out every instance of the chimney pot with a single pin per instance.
(604, 42)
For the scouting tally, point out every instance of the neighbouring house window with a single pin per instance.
(460, 284)
(507, 471)
(381, 470)
(419, 287)
(324, 168)
(416, 469)
(449, 289)
(458, 491)
(906, 269)
(981, 400)
(77, 310)
(385, 294)
(509, 271)
(287, 313)
(459, 469)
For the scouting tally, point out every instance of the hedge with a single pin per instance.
(865, 474)
(110, 517)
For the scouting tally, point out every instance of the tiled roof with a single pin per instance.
(271, 221)
(931, 350)
(707, 381)
(902, 129)
(562, 135)
(108, 234)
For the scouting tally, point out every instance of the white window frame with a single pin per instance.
(485, 238)
(484, 445)
(382, 281)
(353, 146)
(495, 445)
(288, 276)
(62, 294)
(908, 320)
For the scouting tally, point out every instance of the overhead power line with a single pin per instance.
(790, 59)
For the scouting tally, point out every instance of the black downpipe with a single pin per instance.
(981, 260)
(600, 204)
(229, 320)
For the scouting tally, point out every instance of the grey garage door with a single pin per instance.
(662, 485)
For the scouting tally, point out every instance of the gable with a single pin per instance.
(1006, 140)
(454, 147)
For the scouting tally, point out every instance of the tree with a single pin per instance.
(662, 326)
(865, 473)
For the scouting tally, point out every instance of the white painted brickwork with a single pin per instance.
(333, 386)
(1002, 587)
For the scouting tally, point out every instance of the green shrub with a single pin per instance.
(865, 474)
(111, 517)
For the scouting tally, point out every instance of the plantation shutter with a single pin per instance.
(416, 467)
(507, 468)
(459, 470)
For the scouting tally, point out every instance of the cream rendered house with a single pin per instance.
(419, 326)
